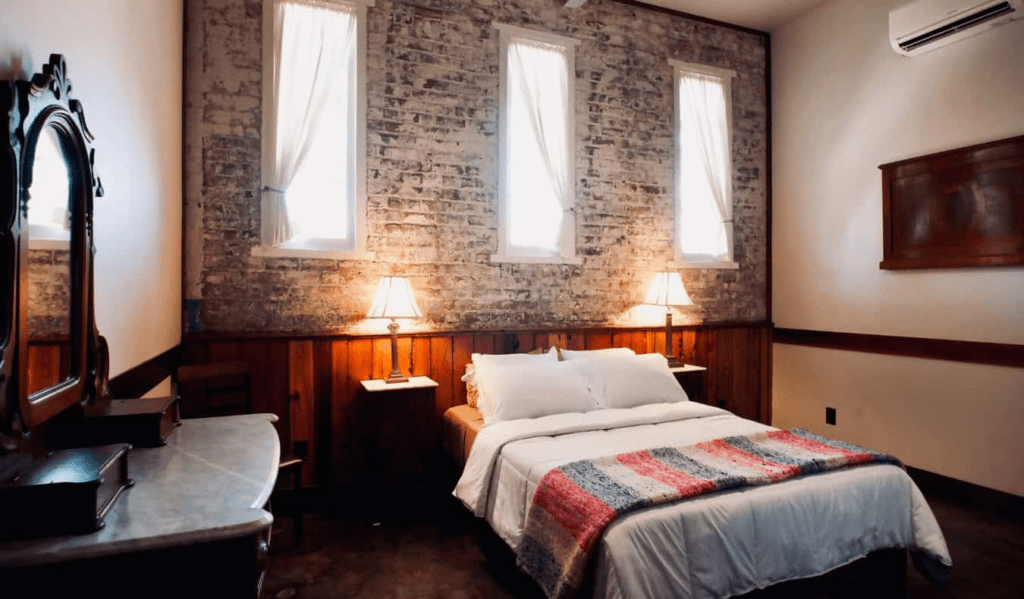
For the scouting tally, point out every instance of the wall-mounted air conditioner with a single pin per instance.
(923, 25)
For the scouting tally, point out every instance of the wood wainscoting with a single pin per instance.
(49, 362)
(312, 382)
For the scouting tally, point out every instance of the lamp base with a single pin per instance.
(396, 377)
(674, 362)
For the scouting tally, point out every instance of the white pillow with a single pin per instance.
(534, 390)
(482, 361)
(575, 354)
(628, 381)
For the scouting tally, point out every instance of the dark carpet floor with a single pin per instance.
(437, 555)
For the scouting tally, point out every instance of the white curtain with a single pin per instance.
(48, 214)
(705, 166)
(313, 74)
(537, 145)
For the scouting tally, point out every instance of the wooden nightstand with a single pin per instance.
(400, 436)
(692, 380)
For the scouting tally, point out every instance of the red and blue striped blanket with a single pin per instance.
(575, 502)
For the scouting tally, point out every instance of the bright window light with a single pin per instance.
(321, 196)
(48, 196)
(536, 145)
(313, 197)
(537, 182)
(703, 165)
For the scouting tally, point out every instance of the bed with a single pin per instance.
(711, 546)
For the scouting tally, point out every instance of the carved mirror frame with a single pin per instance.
(32, 106)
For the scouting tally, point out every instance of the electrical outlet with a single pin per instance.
(830, 416)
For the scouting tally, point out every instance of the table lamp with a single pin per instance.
(668, 291)
(394, 300)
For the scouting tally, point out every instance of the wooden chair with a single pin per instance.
(225, 389)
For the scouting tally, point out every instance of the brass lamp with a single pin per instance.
(394, 300)
(668, 291)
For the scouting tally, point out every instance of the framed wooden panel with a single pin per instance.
(955, 209)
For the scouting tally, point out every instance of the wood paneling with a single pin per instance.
(47, 365)
(301, 393)
(49, 362)
(313, 383)
(974, 352)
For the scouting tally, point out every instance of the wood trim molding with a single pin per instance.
(990, 500)
(768, 177)
(137, 381)
(973, 352)
(768, 364)
(291, 336)
(692, 17)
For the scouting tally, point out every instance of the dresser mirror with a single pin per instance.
(49, 265)
(46, 168)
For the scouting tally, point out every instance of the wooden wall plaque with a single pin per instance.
(955, 209)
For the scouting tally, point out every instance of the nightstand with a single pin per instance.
(400, 430)
(691, 378)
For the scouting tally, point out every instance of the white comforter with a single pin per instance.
(712, 546)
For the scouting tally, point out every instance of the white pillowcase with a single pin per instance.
(576, 354)
(534, 390)
(621, 381)
(482, 361)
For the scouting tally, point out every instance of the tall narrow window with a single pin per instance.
(703, 166)
(537, 141)
(315, 129)
(48, 215)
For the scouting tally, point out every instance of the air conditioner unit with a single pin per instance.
(923, 25)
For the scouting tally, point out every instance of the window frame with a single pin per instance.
(335, 249)
(567, 238)
(47, 237)
(691, 261)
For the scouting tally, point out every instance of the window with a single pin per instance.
(48, 215)
(703, 166)
(314, 152)
(537, 144)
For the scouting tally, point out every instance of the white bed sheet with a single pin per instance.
(712, 546)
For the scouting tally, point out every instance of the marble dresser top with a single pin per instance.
(209, 483)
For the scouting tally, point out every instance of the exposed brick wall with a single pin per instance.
(49, 294)
(432, 170)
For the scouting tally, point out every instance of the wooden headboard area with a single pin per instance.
(313, 382)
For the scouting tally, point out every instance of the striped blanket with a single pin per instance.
(575, 502)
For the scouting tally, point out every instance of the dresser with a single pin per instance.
(193, 524)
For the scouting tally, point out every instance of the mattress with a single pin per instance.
(712, 546)
(459, 427)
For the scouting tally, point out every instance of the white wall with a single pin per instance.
(843, 104)
(125, 61)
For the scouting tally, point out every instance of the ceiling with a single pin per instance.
(764, 15)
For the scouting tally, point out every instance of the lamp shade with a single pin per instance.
(668, 290)
(394, 300)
